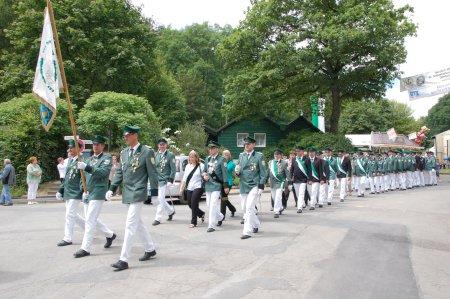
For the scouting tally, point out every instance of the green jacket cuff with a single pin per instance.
(261, 186)
(154, 192)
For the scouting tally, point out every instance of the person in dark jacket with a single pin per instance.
(8, 178)
(344, 171)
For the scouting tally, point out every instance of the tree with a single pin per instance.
(22, 136)
(438, 119)
(6, 17)
(106, 113)
(106, 45)
(190, 56)
(290, 49)
(378, 116)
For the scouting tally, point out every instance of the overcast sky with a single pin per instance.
(426, 52)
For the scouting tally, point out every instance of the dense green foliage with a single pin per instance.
(377, 116)
(22, 136)
(438, 119)
(286, 50)
(190, 55)
(106, 113)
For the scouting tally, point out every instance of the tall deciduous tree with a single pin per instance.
(285, 49)
(106, 45)
(190, 55)
(438, 119)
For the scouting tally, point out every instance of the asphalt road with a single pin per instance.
(394, 245)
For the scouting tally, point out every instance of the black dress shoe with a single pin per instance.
(329, 203)
(171, 216)
(109, 241)
(243, 237)
(281, 211)
(210, 230)
(81, 253)
(342, 200)
(147, 255)
(120, 265)
(276, 216)
(148, 201)
(299, 211)
(220, 222)
(156, 222)
(64, 243)
(242, 221)
(320, 206)
(255, 230)
(232, 214)
(312, 208)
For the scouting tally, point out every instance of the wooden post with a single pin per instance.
(66, 88)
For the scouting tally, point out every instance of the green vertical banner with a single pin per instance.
(315, 111)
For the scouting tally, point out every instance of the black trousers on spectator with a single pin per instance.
(193, 199)
(224, 203)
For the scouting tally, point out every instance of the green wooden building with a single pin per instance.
(266, 132)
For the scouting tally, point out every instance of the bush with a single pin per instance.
(106, 113)
(22, 136)
(317, 140)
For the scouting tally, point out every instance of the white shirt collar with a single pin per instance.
(135, 147)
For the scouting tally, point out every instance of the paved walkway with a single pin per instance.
(394, 245)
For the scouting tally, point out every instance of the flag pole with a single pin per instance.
(66, 88)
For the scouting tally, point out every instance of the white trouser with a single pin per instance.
(376, 183)
(433, 177)
(323, 193)
(387, 181)
(277, 203)
(248, 201)
(421, 178)
(409, 179)
(32, 190)
(360, 182)
(213, 203)
(163, 207)
(367, 183)
(403, 180)
(332, 184)
(300, 189)
(313, 191)
(343, 188)
(428, 179)
(416, 178)
(72, 217)
(371, 184)
(133, 226)
(91, 213)
(392, 181)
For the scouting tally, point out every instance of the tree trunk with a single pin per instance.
(336, 106)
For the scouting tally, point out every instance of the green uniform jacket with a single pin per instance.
(412, 166)
(390, 164)
(400, 164)
(71, 186)
(165, 164)
(216, 169)
(282, 174)
(430, 163)
(97, 176)
(134, 172)
(371, 167)
(332, 164)
(252, 173)
(361, 171)
(380, 166)
(395, 164)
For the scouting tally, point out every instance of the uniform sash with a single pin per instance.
(339, 164)
(302, 166)
(274, 170)
(329, 164)
(358, 161)
(314, 171)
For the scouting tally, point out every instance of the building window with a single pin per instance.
(260, 139)
(240, 139)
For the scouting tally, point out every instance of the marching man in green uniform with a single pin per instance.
(401, 176)
(97, 169)
(360, 173)
(215, 175)
(137, 166)
(71, 191)
(278, 174)
(392, 169)
(252, 174)
(165, 164)
(430, 167)
(332, 164)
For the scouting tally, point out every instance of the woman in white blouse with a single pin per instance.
(191, 186)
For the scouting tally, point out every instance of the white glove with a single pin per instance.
(85, 195)
(58, 196)
(169, 184)
(260, 191)
(81, 165)
(237, 169)
(108, 195)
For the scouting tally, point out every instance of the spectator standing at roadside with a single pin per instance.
(34, 174)
(61, 169)
(8, 179)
